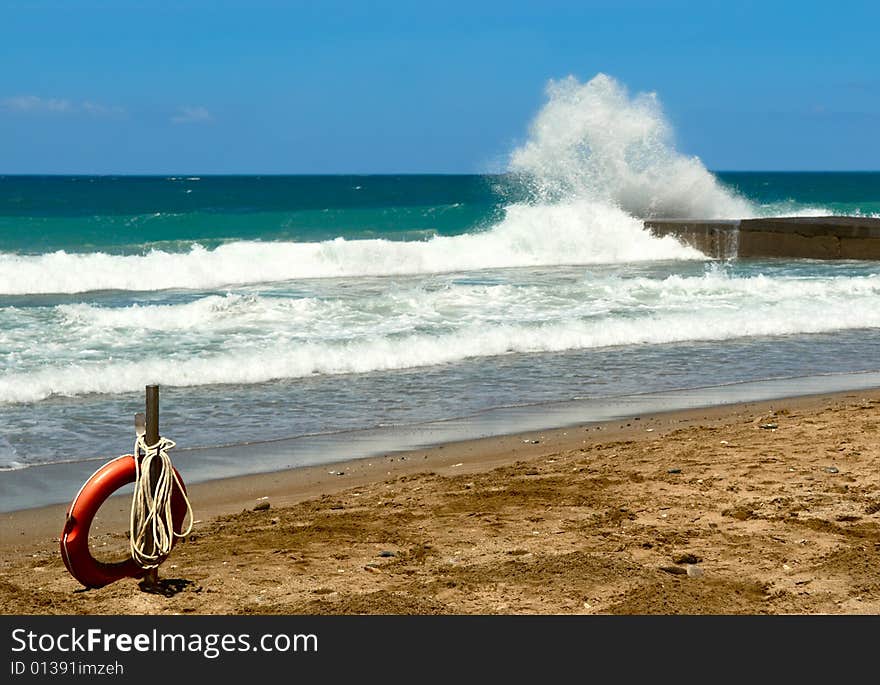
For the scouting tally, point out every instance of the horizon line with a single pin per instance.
(240, 174)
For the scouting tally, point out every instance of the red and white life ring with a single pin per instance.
(75, 536)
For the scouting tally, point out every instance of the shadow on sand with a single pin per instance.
(167, 587)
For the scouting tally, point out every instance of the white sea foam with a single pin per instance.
(577, 232)
(251, 339)
(214, 310)
(446, 305)
(410, 351)
(8, 456)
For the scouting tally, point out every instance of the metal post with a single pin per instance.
(152, 437)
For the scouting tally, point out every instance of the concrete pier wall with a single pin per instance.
(827, 237)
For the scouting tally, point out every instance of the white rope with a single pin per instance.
(151, 522)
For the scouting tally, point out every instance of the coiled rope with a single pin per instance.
(151, 522)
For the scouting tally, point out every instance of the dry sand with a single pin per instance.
(708, 511)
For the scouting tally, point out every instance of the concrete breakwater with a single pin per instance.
(826, 237)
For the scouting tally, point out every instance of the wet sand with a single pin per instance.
(766, 507)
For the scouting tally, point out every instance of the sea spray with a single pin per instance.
(596, 160)
(593, 141)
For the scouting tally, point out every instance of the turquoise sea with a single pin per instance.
(133, 214)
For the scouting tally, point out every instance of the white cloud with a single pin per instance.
(35, 104)
(191, 115)
(98, 109)
(32, 103)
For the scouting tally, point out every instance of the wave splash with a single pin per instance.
(596, 159)
(594, 141)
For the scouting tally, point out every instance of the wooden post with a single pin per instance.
(151, 438)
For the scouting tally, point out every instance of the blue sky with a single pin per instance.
(447, 87)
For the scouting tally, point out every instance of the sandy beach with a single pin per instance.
(761, 508)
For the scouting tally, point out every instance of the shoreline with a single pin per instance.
(22, 528)
(53, 485)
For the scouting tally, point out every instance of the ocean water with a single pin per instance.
(272, 307)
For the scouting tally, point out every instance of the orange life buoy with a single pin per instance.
(75, 537)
